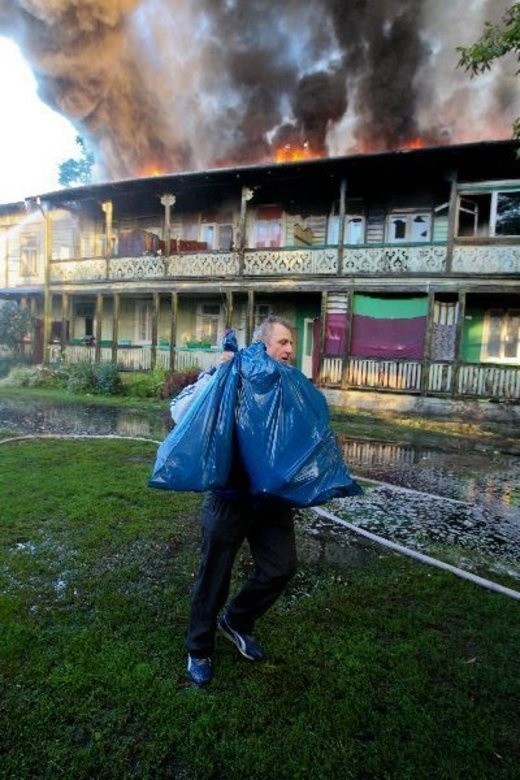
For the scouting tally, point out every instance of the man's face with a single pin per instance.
(280, 343)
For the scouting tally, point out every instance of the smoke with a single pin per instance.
(167, 85)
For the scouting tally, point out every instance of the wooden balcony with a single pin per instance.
(381, 260)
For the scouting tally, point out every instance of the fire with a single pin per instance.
(151, 169)
(291, 153)
(414, 143)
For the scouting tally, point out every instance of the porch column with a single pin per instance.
(250, 316)
(167, 200)
(348, 339)
(458, 341)
(452, 222)
(109, 238)
(115, 325)
(323, 317)
(229, 309)
(99, 327)
(247, 194)
(155, 321)
(65, 318)
(341, 226)
(47, 295)
(425, 375)
(174, 311)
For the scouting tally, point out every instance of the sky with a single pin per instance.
(33, 138)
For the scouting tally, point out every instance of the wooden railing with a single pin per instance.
(466, 380)
(381, 259)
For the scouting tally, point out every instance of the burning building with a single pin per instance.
(398, 269)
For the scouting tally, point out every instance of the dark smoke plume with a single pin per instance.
(167, 85)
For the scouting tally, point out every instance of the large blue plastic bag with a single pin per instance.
(286, 444)
(196, 454)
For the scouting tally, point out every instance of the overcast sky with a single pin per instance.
(33, 138)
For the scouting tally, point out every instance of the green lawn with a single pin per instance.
(381, 668)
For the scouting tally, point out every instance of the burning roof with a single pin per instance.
(171, 85)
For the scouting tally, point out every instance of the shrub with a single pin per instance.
(107, 379)
(177, 380)
(144, 384)
(29, 376)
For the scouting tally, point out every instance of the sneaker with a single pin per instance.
(200, 670)
(245, 644)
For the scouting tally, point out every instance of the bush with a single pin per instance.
(177, 380)
(107, 379)
(144, 384)
(29, 376)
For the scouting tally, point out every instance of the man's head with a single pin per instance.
(276, 334)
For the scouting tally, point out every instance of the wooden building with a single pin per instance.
(400, 270)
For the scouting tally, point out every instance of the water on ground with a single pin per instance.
(461, 506)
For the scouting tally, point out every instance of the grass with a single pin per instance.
(382, 668)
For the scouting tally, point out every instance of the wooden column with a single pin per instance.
(348, 339)
(246, 196)
(458, 341)
(425, 377)
(341, 225)
(229, 310)
(116, 314)
(250, 316)
(99, 327)
(167, 200)
(174, 311)
(452, 222)
(65, 318)
(47, 295)
(155, 329)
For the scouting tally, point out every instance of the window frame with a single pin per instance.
(506, 316)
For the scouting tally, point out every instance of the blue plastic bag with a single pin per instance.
(196, 454)
(278, 421)
(286, 444)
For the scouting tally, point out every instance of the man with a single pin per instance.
(228, 518)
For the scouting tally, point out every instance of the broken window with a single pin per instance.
(488, 214)
(412, 227)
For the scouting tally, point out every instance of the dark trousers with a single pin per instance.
(226, 523)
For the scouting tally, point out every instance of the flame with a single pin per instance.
(291, 153)
(151, 169)
(414, 143)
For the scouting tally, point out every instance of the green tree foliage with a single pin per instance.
(77, 171)
(15, 323)
(496, 41)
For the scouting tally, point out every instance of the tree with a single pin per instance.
(496, 41)
(77, 171)
(15, 324)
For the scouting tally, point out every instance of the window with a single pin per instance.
(143, 322)
(28, 261)
(262, 311)
(410, 227)
(209, 324)
(501, 337)
(354, 229)
(489, 214)
(217, 235)
(268, 227)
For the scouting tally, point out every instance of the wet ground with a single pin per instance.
(462, 507)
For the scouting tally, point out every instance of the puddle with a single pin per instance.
(43, 416)
(461, 506)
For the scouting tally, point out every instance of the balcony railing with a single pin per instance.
(384, 259)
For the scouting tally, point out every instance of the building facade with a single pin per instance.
(399, 270)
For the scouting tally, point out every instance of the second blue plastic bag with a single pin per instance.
(286, 444)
